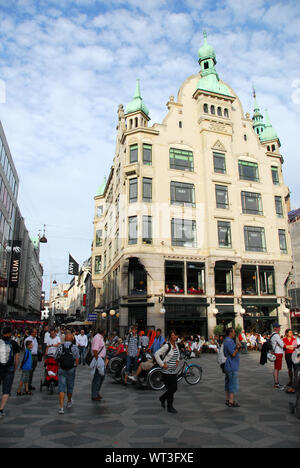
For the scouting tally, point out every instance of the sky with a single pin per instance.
(65, 66)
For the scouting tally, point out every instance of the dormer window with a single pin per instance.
(205, 108)
(273, 148)
(212, 110)
(206, 65)
(226, 113)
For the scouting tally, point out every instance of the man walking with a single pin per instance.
(82, 343)
(34, 352)
(98, 349)
(277, 345)
(67, 356)
(133, 348)
(158, 342)
(8, 368)
(232, 364)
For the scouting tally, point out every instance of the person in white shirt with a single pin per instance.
(52, 343)
(82, 343)
(277, 345)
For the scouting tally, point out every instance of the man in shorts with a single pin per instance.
(7, 371)
(277, 345)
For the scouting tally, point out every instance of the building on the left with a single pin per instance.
(21, 273)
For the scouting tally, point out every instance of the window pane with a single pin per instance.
(278, 206)
(133, 153)
(224, 234)
(222, 196)
(133, 190)
(182, 194)
(147, 154)
(248, 171)
(99, 237)
(183, 232)
(255, 239)
(251, 203)
(249, 280)
(132, 230)
(266, 280)
(174, 281)
(98, 264)
(275, 176)
(181, 160)
(147, 189)
(195, 278)
(282, 240)
(219, 163)
(147, 229)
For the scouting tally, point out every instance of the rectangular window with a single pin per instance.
(182, 194)
(100, 211)
(97, 264)
(147, 229)
(132, 230)
(133, 153)
(133, 190)
(223, 278)
(174, 277)
(224, 234)
(181, 160)
(147, 154)
(248, 171)
(183, 233)
(219, 163)
(147, 190)
(249, 280)
(195, 278)
(251, 203)
(282, 241)
(222, 196)
(99, 235)
(279, 207)
(255, 240)
(275, 175)
(266, 280)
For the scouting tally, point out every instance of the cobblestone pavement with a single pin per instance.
(133, 418)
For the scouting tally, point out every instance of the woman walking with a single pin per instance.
(290, 345)
(167, 358)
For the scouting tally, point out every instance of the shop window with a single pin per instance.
(195, 278)
(132, 230)
(248, 171)
(252, 203)
(174, 277)
(137, 278)
(147, 154)
(279, 207)
(133, 190)
(183, 233)
(133, 153)
(223, 278)
(266, 280)
(219, 163)
(182, 194)
(282, 241)
(224, 234)
(249, 280)
(147, 229)
(255, 239)
(222, 196)
(181, 160)
(275, 175)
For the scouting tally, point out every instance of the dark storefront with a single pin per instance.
(226, 315)
(186, 316)
(260, 315)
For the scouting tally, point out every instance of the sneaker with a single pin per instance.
(279, 387)
(133, 377)
(70, 404)
(2, 413)
(61, 411)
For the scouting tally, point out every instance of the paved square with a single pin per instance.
(133, 418)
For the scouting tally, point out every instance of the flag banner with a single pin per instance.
(73, 266)
(15, 264)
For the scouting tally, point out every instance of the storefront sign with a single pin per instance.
(15, 264)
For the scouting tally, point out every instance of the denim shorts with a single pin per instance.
(7, 378)
(66, 380)
(231, 382)
(25, 376)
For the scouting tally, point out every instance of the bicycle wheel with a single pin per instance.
(155, 380)
(115, 366)
(193, 374)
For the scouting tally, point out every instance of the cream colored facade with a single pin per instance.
(191, 126)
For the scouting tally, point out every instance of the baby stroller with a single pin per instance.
(295, 407)
(51, 375)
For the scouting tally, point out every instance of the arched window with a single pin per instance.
(205, 108)
(245, 137)
(219, 110)
(268, 148)
(130, 123)
(212, 110)
(226, 113)
(273, 148)
(136, 122)
(206, 65)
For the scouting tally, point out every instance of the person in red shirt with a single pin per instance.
(290, 344)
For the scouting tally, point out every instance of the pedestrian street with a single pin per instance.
(133, 418)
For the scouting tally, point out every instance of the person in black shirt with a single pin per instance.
(7, 371)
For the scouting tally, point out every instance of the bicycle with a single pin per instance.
(192, 373)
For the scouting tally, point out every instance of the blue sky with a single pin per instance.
(67, 65)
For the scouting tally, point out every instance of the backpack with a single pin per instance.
(5, 353)
(265, 349)
(66, 359)
(221, 358)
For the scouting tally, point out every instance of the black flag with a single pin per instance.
(73, 266)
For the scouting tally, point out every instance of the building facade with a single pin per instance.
(190, 228)
(293, 284)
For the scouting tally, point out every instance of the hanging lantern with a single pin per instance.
(215, 311)
(243, 311)
(43, 239)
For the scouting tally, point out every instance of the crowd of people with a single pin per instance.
(72, 347)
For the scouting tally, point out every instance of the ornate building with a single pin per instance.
(190, 228)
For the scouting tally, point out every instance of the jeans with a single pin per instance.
(7, 378)
(131, 364)
(82, 354)
(170, 381)
(66, 380)
(97, 383)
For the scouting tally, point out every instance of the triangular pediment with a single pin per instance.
(219, 146)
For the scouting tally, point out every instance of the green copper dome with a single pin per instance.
(206, 51)
(269, 132)
(137, 103)
(101, 189)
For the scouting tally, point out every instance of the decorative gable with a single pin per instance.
(218, 146)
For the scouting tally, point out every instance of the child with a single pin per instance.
(26, 367)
